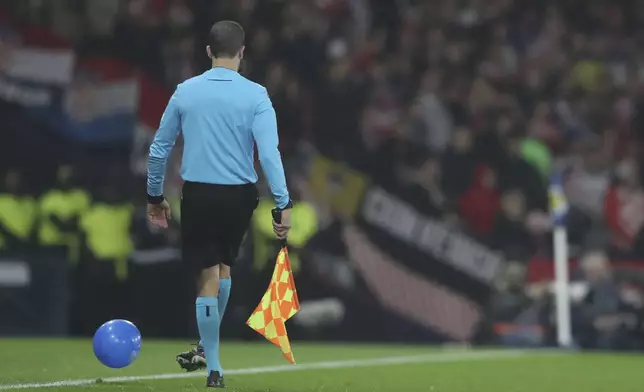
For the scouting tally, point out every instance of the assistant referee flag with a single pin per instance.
(279, 303)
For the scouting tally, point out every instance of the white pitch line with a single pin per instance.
(427, 358)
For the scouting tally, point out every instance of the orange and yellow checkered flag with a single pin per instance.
(278, 304)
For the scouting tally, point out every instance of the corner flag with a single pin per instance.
(558, 212)
(278, 304)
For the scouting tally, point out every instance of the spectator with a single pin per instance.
(599, 322)
(261, 43)
(138, 36)
(510, 224)
(539, 156)
(436, 118)
(107, 229)
(288, 98)
(517, 173)
(541, 127)
(515, 313)
(479, 205)
(589, 180)
(458, 163)
(624, 207)
(17, 214)
(420, 185)
(339, 105)
(179, 64)
(61, 208)
(380, 118)
(586, 189)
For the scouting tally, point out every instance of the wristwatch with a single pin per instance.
(155, 199)
(277, 212)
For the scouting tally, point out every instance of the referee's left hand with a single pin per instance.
(159, 214)
(281, 229)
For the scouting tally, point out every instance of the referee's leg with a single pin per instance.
(224, 271)
(242, 202)
(208, 282)
(214, 222)
(225, 285)
(202, 253)
(208, 321)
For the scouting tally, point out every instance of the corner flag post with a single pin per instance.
(558, 212)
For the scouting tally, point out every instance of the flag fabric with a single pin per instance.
(25, 82)
(278, 304)
(88, 101)
(558, 202)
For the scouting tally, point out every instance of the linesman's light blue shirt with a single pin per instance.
(221, 114)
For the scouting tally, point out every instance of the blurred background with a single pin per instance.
(419, 139)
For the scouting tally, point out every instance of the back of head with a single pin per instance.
(226, 39)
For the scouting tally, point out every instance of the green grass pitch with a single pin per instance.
(69, 365)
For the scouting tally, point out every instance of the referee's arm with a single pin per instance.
(265, 135)
(160, 149)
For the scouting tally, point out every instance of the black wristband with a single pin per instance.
(288, 206)
(155, 199)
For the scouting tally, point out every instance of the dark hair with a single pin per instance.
(226, 39)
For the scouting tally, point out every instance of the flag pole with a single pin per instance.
(558, 212)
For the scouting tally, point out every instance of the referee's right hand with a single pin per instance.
(159, 214)
(281, 229)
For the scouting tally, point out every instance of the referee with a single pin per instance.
(221, 115)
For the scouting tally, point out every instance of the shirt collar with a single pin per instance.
(220, 73)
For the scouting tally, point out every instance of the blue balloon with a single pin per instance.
(117, 343)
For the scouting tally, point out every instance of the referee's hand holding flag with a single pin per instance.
(281, 223)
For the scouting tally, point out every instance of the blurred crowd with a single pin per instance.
(463, 108)
(606, 308)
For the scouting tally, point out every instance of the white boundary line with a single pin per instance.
(384, 361)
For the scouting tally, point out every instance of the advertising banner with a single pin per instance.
(427, 275)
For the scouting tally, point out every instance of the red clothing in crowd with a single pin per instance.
(480, 203)
(624, 213)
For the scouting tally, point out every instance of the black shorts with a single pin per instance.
(214, 220)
